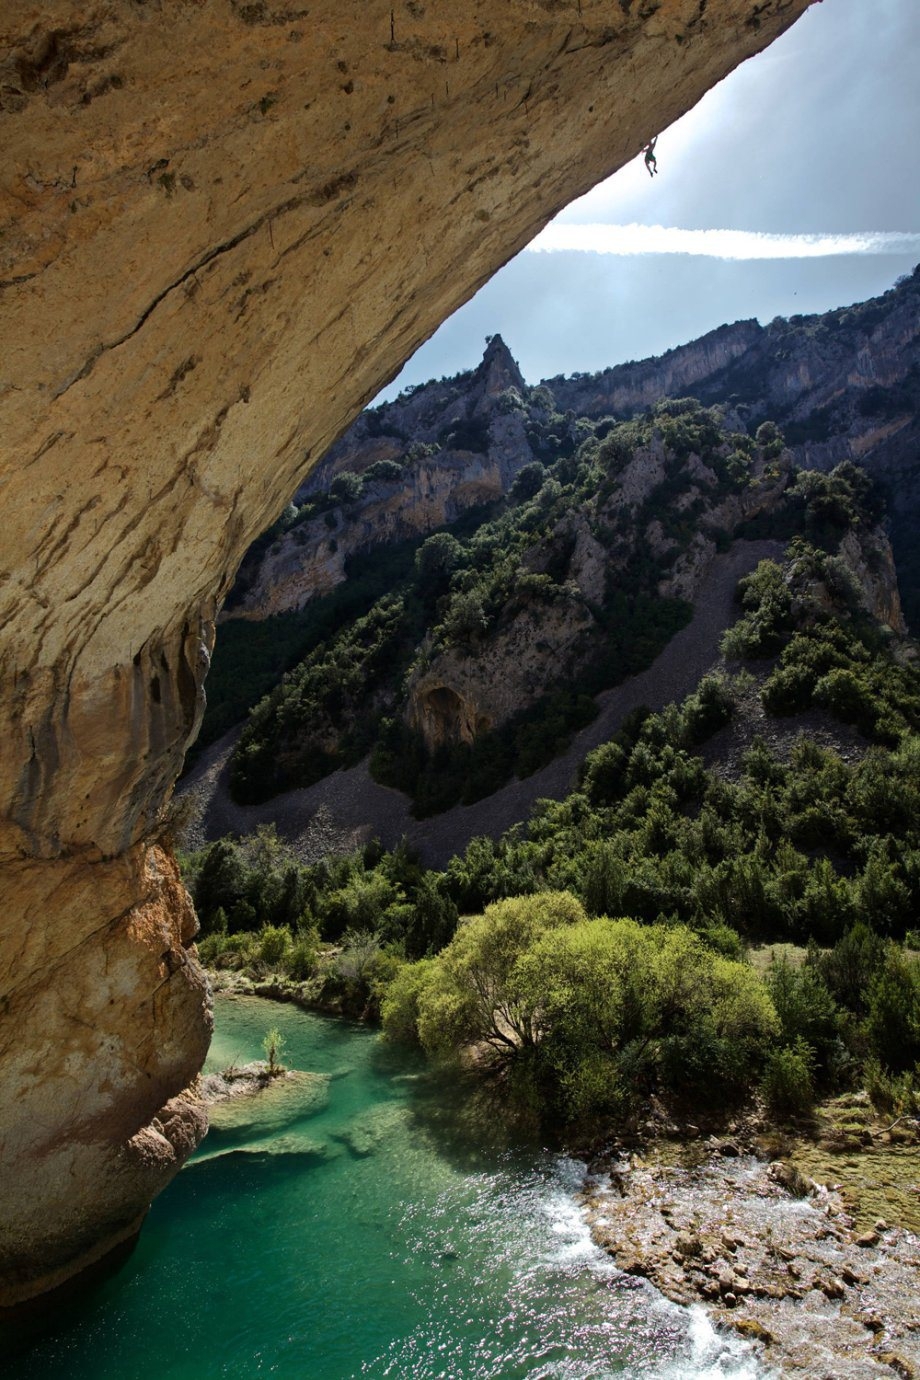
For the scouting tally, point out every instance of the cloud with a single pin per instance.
(717, 244)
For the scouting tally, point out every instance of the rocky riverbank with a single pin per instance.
(785, 1260)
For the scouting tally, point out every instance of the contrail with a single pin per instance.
(717, 244)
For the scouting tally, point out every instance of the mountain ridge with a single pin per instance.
(844, 385)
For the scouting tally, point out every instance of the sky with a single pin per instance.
(811, 150)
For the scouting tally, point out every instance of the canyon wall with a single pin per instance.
(425, 436)
(226, 223)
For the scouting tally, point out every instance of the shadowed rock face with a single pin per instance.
(225, 226)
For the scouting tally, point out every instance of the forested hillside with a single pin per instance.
(483, 658)
(595, 954)
(451, 455)
(697, 858)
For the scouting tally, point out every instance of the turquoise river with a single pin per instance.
(344, 1226)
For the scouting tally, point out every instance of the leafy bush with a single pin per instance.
(892, 1094)
(893, 1017)
(707, 709)
(274, 945)
(303, 956)
(385, 471)
(346, 487)
(767, 621)
(807, 1012)
(788, 1085)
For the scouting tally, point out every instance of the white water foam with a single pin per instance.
(711, 1354)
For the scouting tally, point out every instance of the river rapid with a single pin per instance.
(347, 1225)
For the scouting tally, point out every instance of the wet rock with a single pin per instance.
(898, 1364)
(754, 1330)
(791, 1179)
(867, 1238)
(761, 1253)
(688, 1245)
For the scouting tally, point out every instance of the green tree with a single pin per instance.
(788, 1083)
(435, 561)
(220, 883)
(807, 1011)
(852, 965)
(471, 995)
(528, 481)
(273, 1045)
(346, 487)
(433, 919)
(893, 1020)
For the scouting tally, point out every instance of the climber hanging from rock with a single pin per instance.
(651, 162)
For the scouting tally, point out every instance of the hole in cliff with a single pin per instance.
(155, 694)
(443, 708)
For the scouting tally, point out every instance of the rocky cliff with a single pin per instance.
(474, 655)
(845, 385)
(225, 226)
(550, 633)
(828, 380)
(426, 414)
(424, 459)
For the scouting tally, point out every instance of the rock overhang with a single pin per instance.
(226, 225)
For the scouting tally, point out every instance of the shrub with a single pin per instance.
(399, 1008)
(210, 950)
(303, 956)
(432, 920)
(604, 773)
(892, 1094)
(274, 942)
(358, 905)
(358, 958)
(435, 561)
(767, 622)
(788, 690)
(788, 1085)
(237, 950)
(852, 965)
(707, 709)
(273, 1045)
(385, 470)
(847, 695)
(346, 487)
(528, 482)
(603, 880)
(893, 1017)
(807, 1011)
